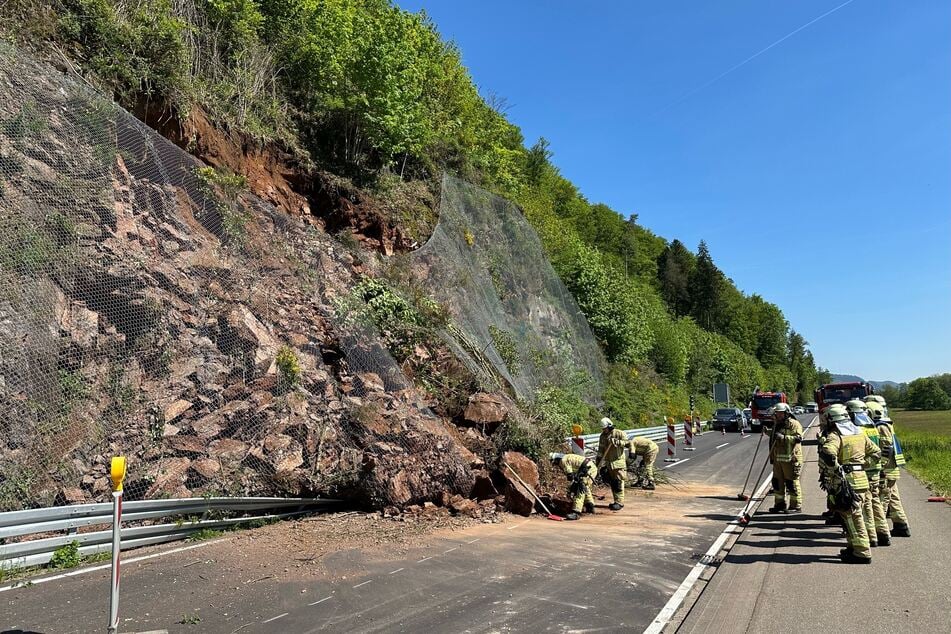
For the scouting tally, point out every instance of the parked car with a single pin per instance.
(798, 410)
(812, 407)
(748, 417)
(729, 418)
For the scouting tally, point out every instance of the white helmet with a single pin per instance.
(555, 457)
(606, 422)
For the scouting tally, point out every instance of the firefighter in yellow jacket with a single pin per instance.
(844, 452)
(612, 463)
(647, 450)
(581, 473)
(892, 459)
(874, 513)
(785, 452)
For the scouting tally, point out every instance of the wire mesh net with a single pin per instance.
(150, 306)
(513, 321)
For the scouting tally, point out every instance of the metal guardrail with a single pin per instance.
(657, 434)
(71, 518)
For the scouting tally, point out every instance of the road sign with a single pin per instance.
(721, 393)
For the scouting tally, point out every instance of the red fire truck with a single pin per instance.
(760, 405)
(831, 393)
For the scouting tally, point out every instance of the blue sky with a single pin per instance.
(819, 173)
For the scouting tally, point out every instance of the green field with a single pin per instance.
(926, 441)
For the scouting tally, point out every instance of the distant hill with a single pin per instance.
(849, 378)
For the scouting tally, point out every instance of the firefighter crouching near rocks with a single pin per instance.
(581, 473)
(873, 511)
(892, 459)
(647, 450)
(785, 452)
(844, 451)
(612, 463)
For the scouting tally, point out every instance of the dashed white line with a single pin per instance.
(450, 550)
(512, 528)
(674, 464)
(396, 571)
(321, 601)
(474, 540)
(274, 618)
(364, 583)
(723, 445)
(424, 559)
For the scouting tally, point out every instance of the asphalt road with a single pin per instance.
(608, 572)
(783, 573)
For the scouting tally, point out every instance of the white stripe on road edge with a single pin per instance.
(274, 618)
(363, 584)
(74, 573)
(674, 464)
(321, 601)
(723, 445)
(667, 612)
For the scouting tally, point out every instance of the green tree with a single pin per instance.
(675, 268)
(926, 394)
(706, 290)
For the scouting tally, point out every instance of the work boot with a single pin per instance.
(873, 543)
(827, 514)
(843, 551)
(795, 509)
(615, 506)
(572, 516)
(852, 558)
(778, 507)
(884, 539)
(835, 520)
(588, 508)
(649, 486)
(901, 530)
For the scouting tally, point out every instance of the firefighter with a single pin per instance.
(873, 512)
(647, 450)
(581, 473)
(844, 452)
(785, 453)
(892, 459)
(612, 463)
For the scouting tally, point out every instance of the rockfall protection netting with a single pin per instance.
(513, 320)
(151, 307)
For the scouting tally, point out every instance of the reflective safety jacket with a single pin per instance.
(787, 442)
(611, 446)
(850, 452)
(872, 465)
(892, 457)
(640, 446)
(571, 463)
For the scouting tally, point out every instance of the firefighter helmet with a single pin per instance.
(855, 406)
(875, 410)
(836, 413)
(606, 423)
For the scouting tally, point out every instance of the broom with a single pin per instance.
(549, 514)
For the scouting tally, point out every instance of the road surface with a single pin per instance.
(607, 572)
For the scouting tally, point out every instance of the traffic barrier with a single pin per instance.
(671, 443)
(688, 435)
(576, 445)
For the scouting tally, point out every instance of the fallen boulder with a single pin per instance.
(518, 498)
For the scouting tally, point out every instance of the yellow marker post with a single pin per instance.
(117, 474)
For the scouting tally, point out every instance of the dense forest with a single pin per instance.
(374, 94)
(924, 393)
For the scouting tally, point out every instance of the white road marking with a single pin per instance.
(364, 583)
(733, 528)
(674, 464)
(422, 560)
(570, 605)
(723, 445)
(397, 570)
(321, 601)
(274, 618)
(83, 571)
(474, 540)
(512, 528)
(450, 550)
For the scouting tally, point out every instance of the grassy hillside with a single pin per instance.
(373, 93)
(926, 440)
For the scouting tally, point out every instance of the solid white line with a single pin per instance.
(83, 571)
(396, 571)
(422, 560)
(667, 612)
(723, 445)
(674, 464)
(321, 601)
(274, 618)
(363, 584)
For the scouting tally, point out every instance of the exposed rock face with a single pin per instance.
(159, 320)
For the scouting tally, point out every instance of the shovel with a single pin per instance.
(550, 515)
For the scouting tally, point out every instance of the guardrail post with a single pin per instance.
(118, 475)
(671, 442)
